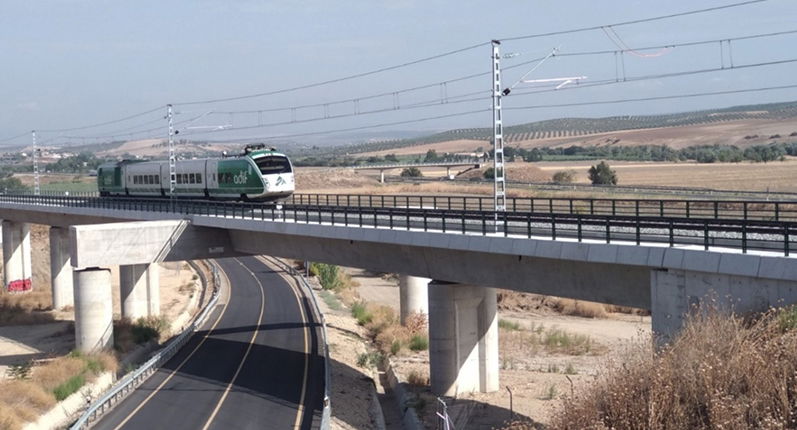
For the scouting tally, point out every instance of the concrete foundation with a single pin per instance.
(93, 309)
(413, 296)
(61, 268)
(16, 256)
(676, 293)
(140, 290)
(463, 339)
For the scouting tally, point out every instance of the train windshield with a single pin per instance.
(272, 165)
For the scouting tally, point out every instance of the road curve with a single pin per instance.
(254, 365)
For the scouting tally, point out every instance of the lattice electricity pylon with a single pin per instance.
(499, 172)
(172, 156)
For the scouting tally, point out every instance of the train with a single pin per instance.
(259, 174)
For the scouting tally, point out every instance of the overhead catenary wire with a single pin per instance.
(101, 124)
(634, 21)
(463, 98)
(364, 127)
(336, 80)
(557, 53)
(653, 98)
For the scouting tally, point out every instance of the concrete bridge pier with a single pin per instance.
(463, 338)
(413, 296)
(140, 290)
(61, 268)
(93, 309)
(381, 176)
(16, 256)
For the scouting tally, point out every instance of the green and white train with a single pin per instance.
(259, 174)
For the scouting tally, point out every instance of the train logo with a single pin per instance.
(240, 178)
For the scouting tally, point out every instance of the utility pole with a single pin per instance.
(36, 189)
(499, 173)
(172, 157)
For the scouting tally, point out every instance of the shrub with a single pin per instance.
(564, 176)
(489, 173)
(602, 174)
(328, 275)
(70, 386)
(360, 313)
(419, 343)
(411, 172)
(417, 378)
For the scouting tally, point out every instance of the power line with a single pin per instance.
(366, 127)
(115, 121)
(341, 79)
(463, 99)
(652, 98)
(9, 139)
(659, 76)
(635, 21)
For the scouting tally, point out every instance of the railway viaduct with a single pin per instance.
(451, 274)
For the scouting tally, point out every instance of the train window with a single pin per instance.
(272, 165)
(157, 179)
(192, 178)
(198, 178)
(179, 179)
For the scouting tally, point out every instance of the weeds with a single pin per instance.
(417, 378)
(128, 334)
(550, 393)
(370, 359)
(331, 301)
(508, 325)
(361, 314)
(570, 369)
(419, 342)
(328, 275)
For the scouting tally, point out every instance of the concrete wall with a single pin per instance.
(676, 293)
(60, 268)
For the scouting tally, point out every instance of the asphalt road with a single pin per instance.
(255, 364)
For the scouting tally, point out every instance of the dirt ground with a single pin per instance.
(537, 378)
(773, 176)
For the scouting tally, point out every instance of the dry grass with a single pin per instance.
(418, 378)
(24, 308)
(128, 334)
(24, 400)
(721, 372)
(580, 308)
(518, 341)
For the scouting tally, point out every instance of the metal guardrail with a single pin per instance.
(326, 414)
(132, 380)
(662, 208)
(772, 236)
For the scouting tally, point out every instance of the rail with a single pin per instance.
(743, 234)
(326, 414)
(662, 208)
(132, 380)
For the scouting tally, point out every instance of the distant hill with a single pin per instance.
(575, 127)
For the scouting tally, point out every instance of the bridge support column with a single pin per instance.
(140, 290)
(93, 309)
(413, 296)
(381, 176)
(463, 339)
(16, 256)
(676, 293)
(61, 268)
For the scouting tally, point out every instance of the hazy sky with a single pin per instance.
(69, 63)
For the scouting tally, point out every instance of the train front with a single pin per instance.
(276, 172)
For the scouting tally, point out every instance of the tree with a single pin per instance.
(564, 176)
(411, 172)
(391, 158)
(602, 174)
(489, 173)
(431, 156)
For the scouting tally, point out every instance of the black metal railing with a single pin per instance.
(661, 208)
(705, 233)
